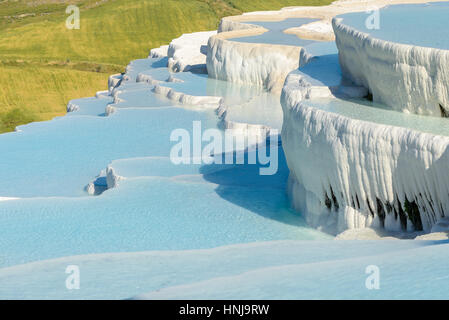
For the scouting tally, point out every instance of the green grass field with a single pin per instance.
(43, 64)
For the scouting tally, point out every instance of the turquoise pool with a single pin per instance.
(414, 24)
(276, 34)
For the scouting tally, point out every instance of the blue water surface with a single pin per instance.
(423, 24)
(157, 205)
(276, 34)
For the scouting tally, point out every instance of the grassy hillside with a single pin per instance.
(260, 5)
(43, 64)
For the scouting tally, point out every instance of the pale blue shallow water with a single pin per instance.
(287, 269)
(151, 213)
(276, 34)
(324, 70)
(60, 157)
(91, 105)
(423, 25)
(139, 95)
(160, 206)
(368, 111)
(201, 85)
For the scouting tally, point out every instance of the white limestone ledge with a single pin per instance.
(185, 53)
(264, 64)
(186, 99)
(406, 78)
(257, 64)
(347, 173)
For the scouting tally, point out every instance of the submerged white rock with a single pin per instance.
(187, 99)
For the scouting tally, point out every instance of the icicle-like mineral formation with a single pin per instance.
(347, 173)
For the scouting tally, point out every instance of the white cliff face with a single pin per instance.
(237, 63)
(188, 52)
(227, 25)
(258, 64)
(406, 78)
(347, 173)
(160, 52)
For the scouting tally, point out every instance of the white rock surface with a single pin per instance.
(441, 226)
(393, 72)
(188, 52)
(347, 173)
(258, 64)
(72, 107)
(114, 80)
(186, 99)
(7, 198)
(364, 234)
(160, 52)
(317, 26)
(434, 236)
(318, 30)
(227, 25)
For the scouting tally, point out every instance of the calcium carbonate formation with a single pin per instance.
(349, 173)
(345, 172)
(250, 63)
(406, 78)
(195, 230)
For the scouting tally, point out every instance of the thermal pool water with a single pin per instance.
(97, 189)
